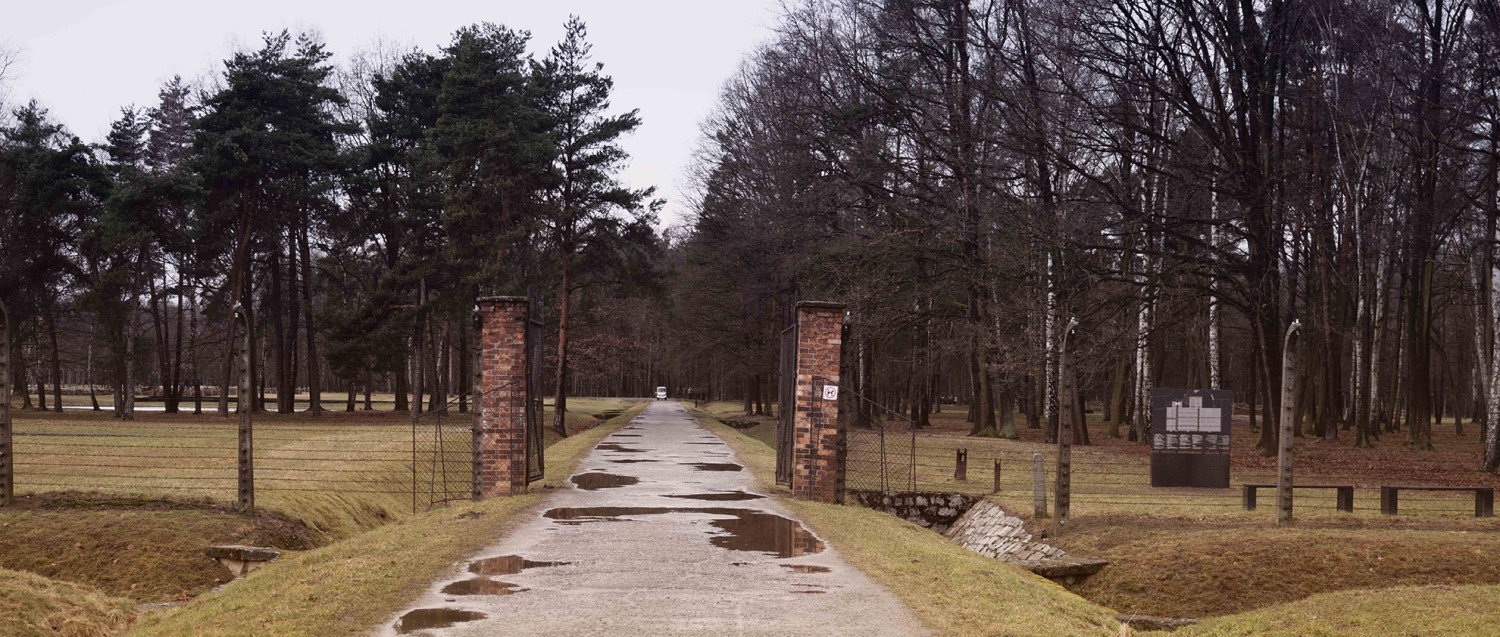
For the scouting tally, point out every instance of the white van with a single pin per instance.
(661, 393)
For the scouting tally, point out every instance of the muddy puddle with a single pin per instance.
(744, 530)
(809, 592)
(425, 618)
(481, 586)
(609, 446)
(805, 568)
(705, 443)
(507, 565)
(714, 466)
(596, 481)
(631, 460)
(719, 496)
(625, 436)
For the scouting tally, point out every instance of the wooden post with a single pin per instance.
(1065, 425)
(960, 465)
(997, 475)
(1284, 455)
(7, 452)
(247, 409)
(1038, 487)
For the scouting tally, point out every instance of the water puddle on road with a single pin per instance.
(805, 568)
(425, 618)
(481, 586)
(631, 460)
(744, 530)
(609, 446)
(705, 443)
(625, 436)
(507, 565)
(722, 496)
(714, 466)
(809, 592)
(596, 481)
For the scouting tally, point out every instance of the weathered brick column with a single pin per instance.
(816, 461)
(501, 438)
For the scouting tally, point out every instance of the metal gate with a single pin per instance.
(535, 337)
(442, 454)
(786, 398)
(880, 447)
(445, 459)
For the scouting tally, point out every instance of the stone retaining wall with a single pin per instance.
(936, 511)
(991, 531)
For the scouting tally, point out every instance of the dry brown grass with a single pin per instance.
(142, 550)
(954, 591)
(34, 606)
(352, 585)
(1163, 567)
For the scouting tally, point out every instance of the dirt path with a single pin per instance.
(626, 558)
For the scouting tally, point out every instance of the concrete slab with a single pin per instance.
(629, 560)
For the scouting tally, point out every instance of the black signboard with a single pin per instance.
(1190, 437)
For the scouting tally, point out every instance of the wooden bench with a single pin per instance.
(1484, 497)
(1343, 493)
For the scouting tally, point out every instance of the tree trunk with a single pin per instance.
(564, 315)
(314, 375)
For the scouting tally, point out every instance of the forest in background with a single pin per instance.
(355, 212)
(1182, 178)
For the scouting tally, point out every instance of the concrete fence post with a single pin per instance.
(1065, 427)
(997, 476)
(1288, 413)
(961, 465)
(1038, 487)
(7, 451)
(246, 501)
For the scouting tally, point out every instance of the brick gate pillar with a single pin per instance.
(817, 465)
(501, 438)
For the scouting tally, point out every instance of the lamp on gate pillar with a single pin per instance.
(501, 439)
(816, 461)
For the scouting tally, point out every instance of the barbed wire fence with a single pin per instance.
(890, 454)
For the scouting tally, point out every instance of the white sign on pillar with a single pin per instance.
(830, 392)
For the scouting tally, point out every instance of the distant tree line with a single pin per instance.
(1184, 178)
(355, 212)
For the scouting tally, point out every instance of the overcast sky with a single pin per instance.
(84, 59)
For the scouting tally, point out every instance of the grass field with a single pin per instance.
(337, 472)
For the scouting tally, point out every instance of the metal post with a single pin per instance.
(7, 452)
(1284, 455)
(1038, 487)
(1065, 426)
(476, 408)
(247, 409)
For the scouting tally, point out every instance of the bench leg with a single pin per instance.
(1346, 499)
(1248, 498)
(1484, 503)
(1388, 500)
